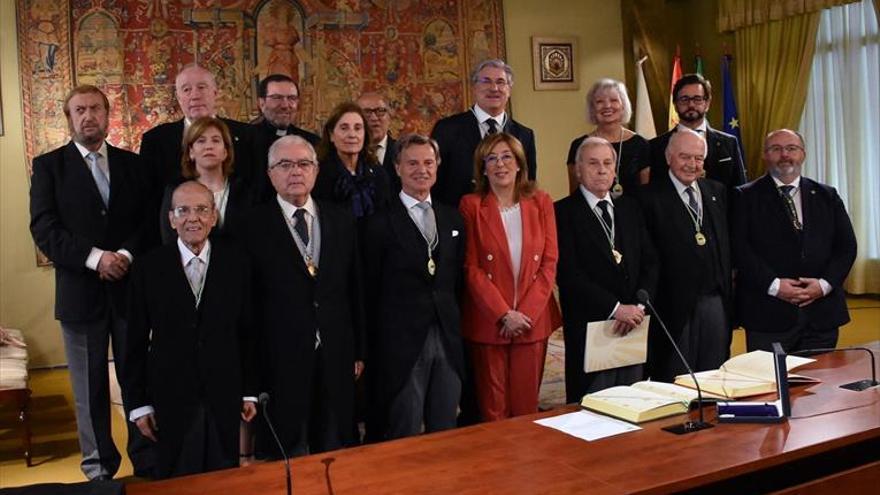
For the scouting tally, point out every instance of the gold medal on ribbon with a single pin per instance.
(432, 267)
(618, 257)
(617, 189)
(313, 270)
(701, 239)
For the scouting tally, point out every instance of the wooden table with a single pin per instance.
(831, 444)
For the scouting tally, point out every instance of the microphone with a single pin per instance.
(264, 402)
(687, 426)
(857, 386)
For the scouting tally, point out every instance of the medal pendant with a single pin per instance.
(701, 239)
(313, 270)
(432, 267)
(618, 257)
(617, 189)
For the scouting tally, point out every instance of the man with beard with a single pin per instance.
(278, 97)
(692, 95)
(793, 247)
(88, 207)
(378, 115)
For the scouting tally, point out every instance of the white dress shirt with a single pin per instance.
(593, 202)
(482, 117)
(681, 188)
(416, 213)
(381, 149)
(511, 219)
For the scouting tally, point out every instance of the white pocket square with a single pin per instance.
(454, 233)
(726, 159)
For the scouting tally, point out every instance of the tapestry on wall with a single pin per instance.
(416, 52)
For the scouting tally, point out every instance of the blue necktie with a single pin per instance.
(99, 176)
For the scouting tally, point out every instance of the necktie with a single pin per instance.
(606, 216)
(790, 206)
(100, 179)
(301, 228)
(429, 224)
(194, 271)
(692, 201)
(493, 126)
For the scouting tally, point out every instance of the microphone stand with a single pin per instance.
(688, 426)
(264, 401)
(856, 386)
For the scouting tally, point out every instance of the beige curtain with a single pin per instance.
(774, 60)
(736, 14)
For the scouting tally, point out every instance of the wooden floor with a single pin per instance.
(56, 450)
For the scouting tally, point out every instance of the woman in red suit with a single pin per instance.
(508, 309)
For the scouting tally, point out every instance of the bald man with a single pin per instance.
(794, 246)
(686, 216)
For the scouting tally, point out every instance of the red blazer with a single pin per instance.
(488, 293)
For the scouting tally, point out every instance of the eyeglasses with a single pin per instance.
(485, 81)
(201, 211)
(684, 100)
(288, 165)
(280, 98)
(790, 148)
(378, 111)
(506, 159)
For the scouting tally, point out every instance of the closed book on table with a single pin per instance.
(746, 375)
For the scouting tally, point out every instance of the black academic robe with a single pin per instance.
(590, 281)
(767, 246)
(183, 359)
(291, 305)
(458, 136)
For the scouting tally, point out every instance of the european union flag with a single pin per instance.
(731, 114)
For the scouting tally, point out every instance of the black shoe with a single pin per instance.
(102, 477)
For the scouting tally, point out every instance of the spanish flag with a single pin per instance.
(676, 75)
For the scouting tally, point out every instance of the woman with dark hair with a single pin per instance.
(609, 109)
(208, 158)
(349, 172)
(508, 308)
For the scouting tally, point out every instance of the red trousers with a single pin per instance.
(508, 378)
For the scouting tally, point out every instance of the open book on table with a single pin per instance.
(746, 375)
(642, 401)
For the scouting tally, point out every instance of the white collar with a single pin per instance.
(482, 115)
(681, 186)
(289, 208)
(702, 128)
(186, 255)
(187, 122)
(383, 143)
(592, 199)
(796, 182)
(410, 201)
(85, 151)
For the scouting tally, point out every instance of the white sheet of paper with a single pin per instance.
(587, 425)
(605, 350)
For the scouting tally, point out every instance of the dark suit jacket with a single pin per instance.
(179, 356)
(672, 232)
(290, 305)
(264, 135)
(723, 163)
(240, 201)
(590, 282)
(388, 165)
(458, 136)
(767, 246)
(161, 149)
(68, 219)
(404, 300)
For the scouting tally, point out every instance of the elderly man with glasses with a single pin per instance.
(187, 375)
(378, 114)
(309, 314)
(793, 246)
(692, 95)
